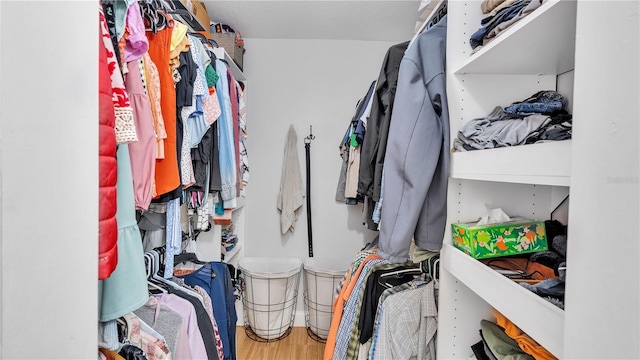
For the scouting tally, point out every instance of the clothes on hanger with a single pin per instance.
(187, 157)
(357, 308)
(375, 141)
(421, 160)
(215, 279)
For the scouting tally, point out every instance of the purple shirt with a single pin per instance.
(183, 307)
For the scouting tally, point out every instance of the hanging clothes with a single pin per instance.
(108, 174)
(214, 277)
(142, 152)
(227, 152)
(416, 167)
(375, 142)
(126, 289)
(290, 197)
(167, 176)
(154, 347)
(408, 325)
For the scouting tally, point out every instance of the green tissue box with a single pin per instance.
(518, 236)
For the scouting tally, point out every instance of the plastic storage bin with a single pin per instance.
(321, 277)
(269, 296)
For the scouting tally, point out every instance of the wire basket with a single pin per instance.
(269, 296)
(319, 294)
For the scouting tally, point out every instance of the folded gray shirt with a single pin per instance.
(497, 130)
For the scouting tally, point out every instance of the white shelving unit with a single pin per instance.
(238, 220)
(537, 53)
(549, 30)
(505, 164)
(209, 243)
(540, 319)
(221, 53)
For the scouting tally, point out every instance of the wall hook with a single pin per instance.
(310, 137)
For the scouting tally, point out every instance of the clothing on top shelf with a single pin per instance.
(488, 5)
(501, 27)
(490, 22)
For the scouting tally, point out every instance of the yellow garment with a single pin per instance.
(527, 344)
(179, 32)
(110, 354)
(174, 55)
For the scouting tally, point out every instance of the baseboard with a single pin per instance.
(299, 321)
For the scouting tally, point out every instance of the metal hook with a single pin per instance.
(310, 137)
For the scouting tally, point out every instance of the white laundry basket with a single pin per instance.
(269, 296)
(321, 277)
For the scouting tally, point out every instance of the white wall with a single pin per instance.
(48, 178)
(304, 82)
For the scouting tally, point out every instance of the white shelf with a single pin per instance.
(538, 318)
(541, 49)
(221, 53)
(232, 254)
(545, 164)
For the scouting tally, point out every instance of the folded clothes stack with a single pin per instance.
(500, 15)
(229, 239)
(539, 118)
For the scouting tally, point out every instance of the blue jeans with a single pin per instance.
(546, 101)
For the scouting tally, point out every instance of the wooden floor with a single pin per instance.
(297, 346)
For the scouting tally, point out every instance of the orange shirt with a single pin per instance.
(338, 306)
(167, 174)
(527, 344)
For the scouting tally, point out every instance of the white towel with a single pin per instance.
(291, 195)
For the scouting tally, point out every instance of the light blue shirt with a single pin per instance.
(227, 153)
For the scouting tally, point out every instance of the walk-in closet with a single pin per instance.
(388, 179)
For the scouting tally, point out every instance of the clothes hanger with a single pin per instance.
(191, 235)
(431, 267)
(154, 15)
(411, 270)
(171, 285)
(149, 262)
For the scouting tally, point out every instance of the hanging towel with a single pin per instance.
(290, 197)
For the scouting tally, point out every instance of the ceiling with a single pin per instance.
(389, 20)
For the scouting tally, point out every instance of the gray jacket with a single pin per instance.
(416, 165)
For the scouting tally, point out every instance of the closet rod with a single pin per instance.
(442, 4)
